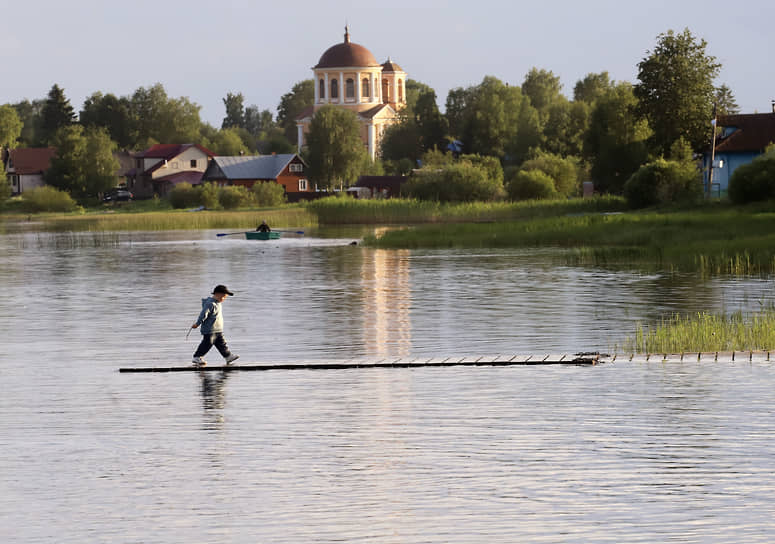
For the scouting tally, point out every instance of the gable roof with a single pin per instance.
(753, 132)
(170, 151)
(31, 160)
(250, 167)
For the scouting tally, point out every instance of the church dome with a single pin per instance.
(391, 66)
(346, 54)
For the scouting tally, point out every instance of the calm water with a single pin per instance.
(615, 453)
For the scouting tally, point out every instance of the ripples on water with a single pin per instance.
(614, 453)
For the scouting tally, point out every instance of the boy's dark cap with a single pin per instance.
(222, 289)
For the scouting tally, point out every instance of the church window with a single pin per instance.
(365, 87)
(334, 88)
(385, 91)
(350, 88)
(400, 90)
(322, 89)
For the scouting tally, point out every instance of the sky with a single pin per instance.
(203, 50)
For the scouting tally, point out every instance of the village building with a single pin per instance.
(25, 167)
(161, 167)
(349, 76)
(743, 138)
(287, 170)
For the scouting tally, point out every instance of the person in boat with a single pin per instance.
(211, 320)
(263, 227)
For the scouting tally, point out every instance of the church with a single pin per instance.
(348, 76)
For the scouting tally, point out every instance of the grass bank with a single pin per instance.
(717, 239)
(126, 219)
(704, 332)
(398, 211)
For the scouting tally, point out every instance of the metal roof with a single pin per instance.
(253, 167)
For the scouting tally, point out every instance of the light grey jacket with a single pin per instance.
(211, 317)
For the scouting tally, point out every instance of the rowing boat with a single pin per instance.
(256, 235)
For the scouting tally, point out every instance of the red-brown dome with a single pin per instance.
(391, 66)
(346, 54)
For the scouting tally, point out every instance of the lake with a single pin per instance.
(621, 452)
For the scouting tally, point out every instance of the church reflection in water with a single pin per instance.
(387, 303)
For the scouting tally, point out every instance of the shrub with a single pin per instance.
(663, 182)
(268, 193)
(461, 182)
(564, 172)
(530, 185)
(184, 195)
(235, 196)
(209, 196)
(48, 199)
(753, 182)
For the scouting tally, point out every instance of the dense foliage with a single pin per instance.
(459, 182)
(663, 182)
(48, 199)
(755, 181)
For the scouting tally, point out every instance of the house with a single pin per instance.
(378, 186)
(285, 169)
(161, 167)
(348, 76)
(26, 166)
(743, 138)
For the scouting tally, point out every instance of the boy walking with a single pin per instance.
(211, 320)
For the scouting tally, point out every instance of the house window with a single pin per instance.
(334, 89)
(365, 87)
(322, 89)
(296, 167)
(193, 163)
(350, 88)
(302, 185)
(15, 181)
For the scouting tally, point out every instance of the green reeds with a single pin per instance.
(176, 220)
(703, 332)
(397, 211)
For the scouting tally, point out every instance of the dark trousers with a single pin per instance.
(209, 340)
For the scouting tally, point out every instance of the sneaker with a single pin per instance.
(231, 358)
(198, 361)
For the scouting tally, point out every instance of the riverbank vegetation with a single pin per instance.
(703, 332)
(713, 239)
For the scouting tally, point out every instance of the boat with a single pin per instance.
(256, 235)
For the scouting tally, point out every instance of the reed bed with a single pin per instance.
(176, 220)
(397, 211)
(713, 241)
(704, 332)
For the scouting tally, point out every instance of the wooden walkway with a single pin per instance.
(583, 359)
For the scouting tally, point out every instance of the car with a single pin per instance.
(117, 195)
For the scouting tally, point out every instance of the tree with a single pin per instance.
(490, 118)
(57, 113)
(564, 172)
(336, 153)
(31, 116)
(675, 91)
(401, 141)
(592, 87)
(431, 125)
(725, 101)
(84, 165)
(414, 89)
(301, 96)
(235, 111)
(159, 118)
(112, 113)
(615, 143)
(663, 182)
(10, 126)
(227, 142)
(258, 121)
(457, 102)
(543, 88)
(5, 186)
(458, 182)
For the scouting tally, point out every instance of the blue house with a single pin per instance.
(743, 138)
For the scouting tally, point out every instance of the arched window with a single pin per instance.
(400, 90)
(385, 91)
(365, 87)
(349, 88)
(322, 89)
(334, 89)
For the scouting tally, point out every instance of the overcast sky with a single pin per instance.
(203, 49)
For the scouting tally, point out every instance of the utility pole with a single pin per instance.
(712, 153)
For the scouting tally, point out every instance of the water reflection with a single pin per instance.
(386, 285)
